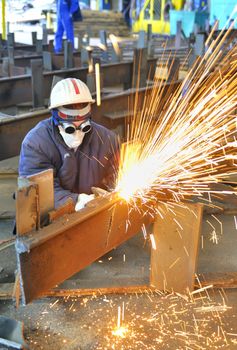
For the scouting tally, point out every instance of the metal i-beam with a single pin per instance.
(47, 256)
(56, 252)
(16, 90)
(173, 261)
(15, 128)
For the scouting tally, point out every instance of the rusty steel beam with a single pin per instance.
(24, 60)
(223, 280)
(11, 70)
(26, 48)
(57, 60)
(54, 253)
(16, 90)
(15, 128)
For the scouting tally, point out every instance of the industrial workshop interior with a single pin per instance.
(118, 174)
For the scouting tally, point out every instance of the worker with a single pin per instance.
(65, 11)
(126, 12)
(81, 152)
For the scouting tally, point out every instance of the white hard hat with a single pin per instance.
(69, 91)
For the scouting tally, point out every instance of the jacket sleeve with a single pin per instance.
(74, 4)
(32, 161)
(112, 167)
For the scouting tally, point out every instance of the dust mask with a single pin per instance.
(72, 140)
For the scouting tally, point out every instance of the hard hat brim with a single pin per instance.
(69, 103)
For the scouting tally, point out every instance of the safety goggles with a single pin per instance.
(70, 128)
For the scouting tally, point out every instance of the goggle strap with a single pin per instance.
(59, 116)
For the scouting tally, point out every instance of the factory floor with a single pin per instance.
(151, 320)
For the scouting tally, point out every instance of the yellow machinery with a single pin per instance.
(156, 13)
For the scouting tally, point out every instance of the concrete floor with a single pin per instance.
(153, 320)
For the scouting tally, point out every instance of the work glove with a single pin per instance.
(99, 192)
(82, 200)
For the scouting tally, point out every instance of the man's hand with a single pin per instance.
(82, 200)
(99, 192)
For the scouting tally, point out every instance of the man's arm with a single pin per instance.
(33, 161)
(74, 4)
(112, 167)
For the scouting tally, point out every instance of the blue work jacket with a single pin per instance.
(67, 7)
(95, 162)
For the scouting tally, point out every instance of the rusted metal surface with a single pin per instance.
(100, 291)
(57, 60)
(219, 280)
(15, 128)
(56, 252)
(24, 60)
(26, 208)
(25, 49)
(7, 291)
(174, 256)
(7, 70)
(34, 200)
